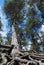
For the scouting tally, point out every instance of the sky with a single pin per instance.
(1, 2)
(5, 21)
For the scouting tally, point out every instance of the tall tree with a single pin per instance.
(33, 23)
(13, 10)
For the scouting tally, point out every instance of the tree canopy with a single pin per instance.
(34, 19)
(13, 9)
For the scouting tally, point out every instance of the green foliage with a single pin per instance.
(1, 40)
(30, 2)
(32, 23)
(31, 12)
(40, 5)
(32, 26)
(13, 9)
(20, 36)
(8, 41)
(0, 25)
(42, 33)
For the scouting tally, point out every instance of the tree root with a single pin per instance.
(19, 58)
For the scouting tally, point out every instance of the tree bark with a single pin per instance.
(15, 51)
(14, 38)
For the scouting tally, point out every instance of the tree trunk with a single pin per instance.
(14, 38)
(14, 42)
